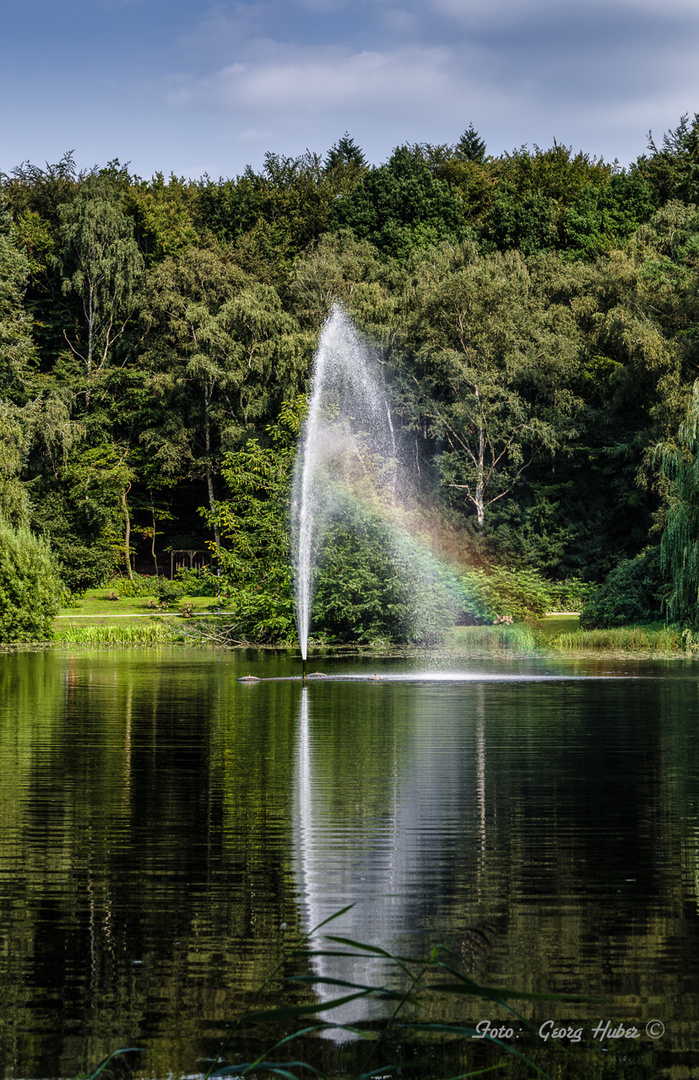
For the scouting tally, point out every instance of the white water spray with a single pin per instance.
(348, 428)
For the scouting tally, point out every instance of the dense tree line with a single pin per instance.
(536, 314)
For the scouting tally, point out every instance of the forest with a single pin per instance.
(536, 315)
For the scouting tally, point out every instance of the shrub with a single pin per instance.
(258, 615)
(571, 594)
(519, 594)
(30, 589)
(138, 585)
(374, 584)
(168, 591)
(502, 594)
(198, 582)
(631, 593)
(82, 566)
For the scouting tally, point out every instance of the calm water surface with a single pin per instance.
(168, 832)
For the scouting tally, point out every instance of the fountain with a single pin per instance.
(348, 443)
(349, 456)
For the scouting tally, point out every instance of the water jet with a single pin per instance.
(346, 408)
(363, 535)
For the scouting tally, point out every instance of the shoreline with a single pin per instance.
(106, 637)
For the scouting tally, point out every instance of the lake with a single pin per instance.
(168, 834)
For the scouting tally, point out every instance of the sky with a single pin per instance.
(192, 87)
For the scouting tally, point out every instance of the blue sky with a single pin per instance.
(194, 87)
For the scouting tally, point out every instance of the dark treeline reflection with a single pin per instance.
(144, 853)
(167, 831)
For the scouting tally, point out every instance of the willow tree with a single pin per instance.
(679, 547)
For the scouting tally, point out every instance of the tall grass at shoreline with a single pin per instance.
(493, 640)
(634, 639)
(465, 641)
(155, 633)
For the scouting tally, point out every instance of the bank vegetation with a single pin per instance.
(535, 316)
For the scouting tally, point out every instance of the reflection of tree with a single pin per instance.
(142, 857)
(150, 853)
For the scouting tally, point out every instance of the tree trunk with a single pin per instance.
(480, 492)
(152, 544)
(127, 531)
(212, 505)
(209, 474)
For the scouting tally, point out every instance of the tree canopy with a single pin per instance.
(535, 316)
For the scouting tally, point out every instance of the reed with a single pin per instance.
(631, 639)
(493, 640)
(155, 633)
(413, 989)
(413, 1037)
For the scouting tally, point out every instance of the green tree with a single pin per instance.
(102, 266)
(631, 593)
(220, 355)
(164, 213)
(255, 559)
(679, 546)
(470, 146)
(17, 365)
(604, 217)
(344, 154)
(342, 268)
(30, 589)
(35, 196)
(492, 371)
(266, 219)
(89, 510)
(14, 441)
(672, 169)
(534, 189)
(400, 206)
(17, 352)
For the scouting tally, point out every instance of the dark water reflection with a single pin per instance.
(167, 831)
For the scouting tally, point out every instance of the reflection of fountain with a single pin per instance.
(326, 888)
(393, 865)
(348, 420)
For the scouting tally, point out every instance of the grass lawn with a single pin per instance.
(96, 608)
(563, 622)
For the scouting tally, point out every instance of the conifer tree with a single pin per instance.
(345, 152)
(470, 146)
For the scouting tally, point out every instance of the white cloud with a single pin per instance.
(285, 80)
(662, 7)
(489, 13)
(494, 12)
(514, 89)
